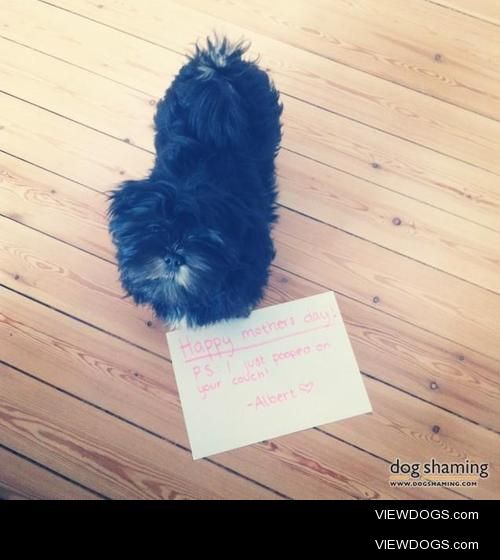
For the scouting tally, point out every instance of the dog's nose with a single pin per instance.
(174, 261)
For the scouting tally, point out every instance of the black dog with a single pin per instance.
(194, 238)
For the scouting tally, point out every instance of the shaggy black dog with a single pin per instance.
(193, 239)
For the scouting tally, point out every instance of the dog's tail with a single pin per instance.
(224, 92)
(216, 110)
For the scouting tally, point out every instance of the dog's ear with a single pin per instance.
(138, 197)
(142, 198)
(123, 199)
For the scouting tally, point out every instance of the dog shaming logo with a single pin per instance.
(434, 473)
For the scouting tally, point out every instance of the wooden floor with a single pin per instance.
(390, 195)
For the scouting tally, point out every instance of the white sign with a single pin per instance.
(285, 368)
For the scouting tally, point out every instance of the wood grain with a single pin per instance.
(394, 284)
(401, 224)
(390, 349)
(138, 64)
(48, 203)
(378, 157)
(140, 387)
(149, 412)
(433, 368)
(403, 112)
(486, 10)
(346, 264)
(104, 453)
(67, 279)
(75, 151)
(24, 480)
(52, 272)
(400, 42)
(83, 96)
(413, 170)
(426, 234)
(390, 196)
(398, 418)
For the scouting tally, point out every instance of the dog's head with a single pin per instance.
(175, 246)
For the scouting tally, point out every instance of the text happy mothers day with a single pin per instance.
(208, 357)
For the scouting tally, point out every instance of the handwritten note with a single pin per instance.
(286, 368)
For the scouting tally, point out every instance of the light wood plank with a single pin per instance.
(78, 94)
(304, 452)
(487, 10)
(401, 411)
(388, 348)
(141, 388)
(395, 40)
(401, 287)
(435, 433)
(401, 224)
(389, 161)
(440, 125)
(357, 268)
(71, 150)
(425, 234)
(75, 282)
(123, 58)
(23, 480)
(415, 171)
(104, 453)
(433, 368)
(49, 203)
(55, 273)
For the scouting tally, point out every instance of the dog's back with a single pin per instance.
(194, 237)
(221, 100)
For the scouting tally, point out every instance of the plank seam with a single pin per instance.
(314, 219)
(371, 376)
(141, 428)
(313, 282)
(74, 121)
(169, 361)
(466, 14)
(306, 49)
(391, 315)
(48, 469)
(394, 135)
(385, 187)
(147, 430)
(329, 165)
(74, 65)
(384, 460)
(118, 29)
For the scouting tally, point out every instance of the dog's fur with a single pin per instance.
(193, 239)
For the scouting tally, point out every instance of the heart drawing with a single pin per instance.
(306, 387)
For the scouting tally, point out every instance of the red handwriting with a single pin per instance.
(267, 328)
(306, 387)
(215, 347)
(300, 351)
(234, 350)
(250, 376)
(208, 387)
(258, 361)
(207, 369)
(208, 347)
(266, 400)
(313, 316)
(255, 370)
